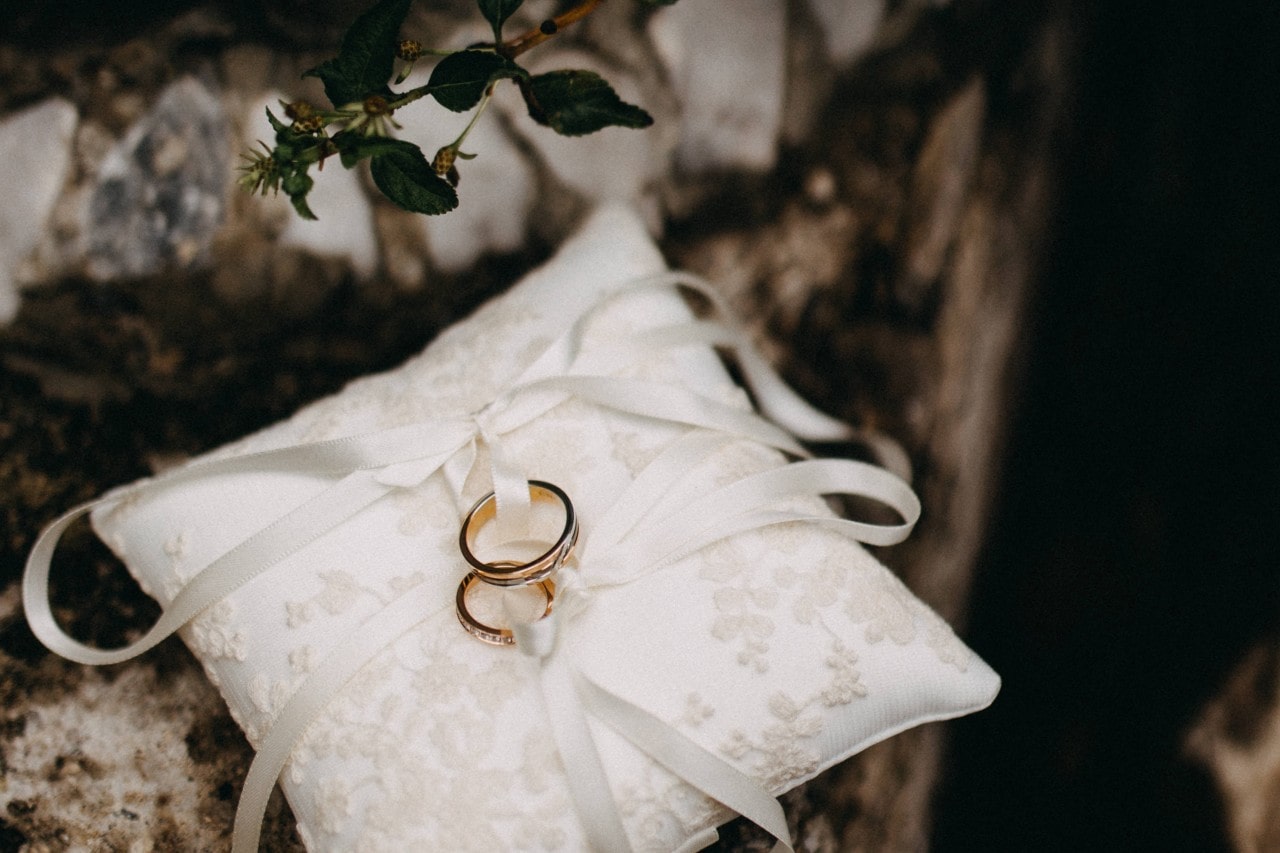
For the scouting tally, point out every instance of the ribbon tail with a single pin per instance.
(588, 782)
(689, 761)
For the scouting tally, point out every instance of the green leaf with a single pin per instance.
(574, 103)
(276, 124)
(405, 177)
(289, 143)
(296, 185)
(496, 13)
(364, 64)
(460, 79)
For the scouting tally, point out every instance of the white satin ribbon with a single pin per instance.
(369, 466)
(641, 533)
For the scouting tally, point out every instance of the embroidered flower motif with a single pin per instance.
(339, 593)
(722, 562)
(784, 757)
(946, 645)
(268, 696)
(397, 819)
(656, 805)
(402, 584)
(332, 803)
(176, 550)
(212, 634)
(442, 680)
(819, 587)
(782, 707)
(696, 711)
(846, 685)
(782, 751)
(742, 459)
(884, 605)
(302, 659)
(785, 575)
(635, 449)
(791, 538)
(572, 452)
(737, 623)
(737, 745)
(422, 510)
(459, 737)
(297, 613)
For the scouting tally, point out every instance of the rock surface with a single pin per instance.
(727, 63)
(35, 153)
(1237, 739)
(161, 192)
(848, 26)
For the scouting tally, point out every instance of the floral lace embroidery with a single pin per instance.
(737, 601)
(521, 792)
(779, 754)
(175, 549)
(947, 646)
(302, 659)
(737, 622)
(425, 509)
(696, 711)
(213, 633)
(846, 682)
(657, 806)
(338, 594)
(880, 601)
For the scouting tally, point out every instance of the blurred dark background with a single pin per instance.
(1135, 556)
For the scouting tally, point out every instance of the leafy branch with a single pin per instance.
(358, 83)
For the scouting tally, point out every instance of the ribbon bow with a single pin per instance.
(639, 535)
(370, 466)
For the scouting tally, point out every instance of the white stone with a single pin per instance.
(615, 164)
(345, 225)
(848, 26)
(160, 193)
(727, 61)
(495, 192)
(35, 152)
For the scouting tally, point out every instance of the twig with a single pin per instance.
(511, 48)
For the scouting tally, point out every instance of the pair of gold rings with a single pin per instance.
(511, 573)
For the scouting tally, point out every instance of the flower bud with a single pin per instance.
(409, 50)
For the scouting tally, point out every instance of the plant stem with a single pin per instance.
(409, 97)
(536, 36)
(484, 102)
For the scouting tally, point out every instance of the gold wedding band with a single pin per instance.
(487, 633)
(508, 573)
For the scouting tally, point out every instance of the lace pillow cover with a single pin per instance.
(716, 611)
